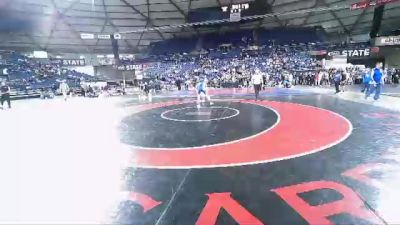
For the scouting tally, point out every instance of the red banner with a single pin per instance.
(375, 50)
(381, 2)
(361, 5)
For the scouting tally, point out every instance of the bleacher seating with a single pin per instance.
(224, 57)
(27, 77)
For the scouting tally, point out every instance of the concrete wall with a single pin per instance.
(392, 56)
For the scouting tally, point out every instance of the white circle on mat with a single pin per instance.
(163, 115)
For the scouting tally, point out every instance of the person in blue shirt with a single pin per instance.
(202, 92)
(377, 81)
(337, 78)
(366, 81)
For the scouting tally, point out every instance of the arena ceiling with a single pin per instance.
(56, 24)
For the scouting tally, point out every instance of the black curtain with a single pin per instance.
(115, 48)
(376, 22)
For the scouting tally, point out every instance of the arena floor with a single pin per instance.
(296, 157)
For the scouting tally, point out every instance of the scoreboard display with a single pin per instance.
(243, 8)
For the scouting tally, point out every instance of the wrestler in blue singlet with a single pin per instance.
(201, 87)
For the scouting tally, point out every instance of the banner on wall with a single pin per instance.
(130, 67)
(235, 16)
(360, 5)
(105, 61)
(139, 76)
(69, 62)
(87, 36)
(351, 53)
(83, 69)
(389, 40)
(381, 2)
(117, 36)
(104, 36)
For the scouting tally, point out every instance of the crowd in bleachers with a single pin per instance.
(233, 68)
(24, 74)
(282, 56)
(224, 66)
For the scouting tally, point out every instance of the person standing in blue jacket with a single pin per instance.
(337, 78)
(377, 81)
(366, 81)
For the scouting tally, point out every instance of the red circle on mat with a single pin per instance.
(302, 130)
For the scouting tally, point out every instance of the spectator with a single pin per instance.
(366, 81)
(257, 82)
(377, 81)
(5, 94)
(64, 89)
(337, 78)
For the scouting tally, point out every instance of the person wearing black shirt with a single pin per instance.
(178, 84)
(337, 78)
(5, 94)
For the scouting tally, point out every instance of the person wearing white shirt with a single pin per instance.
(64, 89)
(257, 81)
(291, 78)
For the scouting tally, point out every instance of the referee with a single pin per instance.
(257, 80)
(5, 94)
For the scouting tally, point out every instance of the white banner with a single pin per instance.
(100, 36)
(84, 69)
(117, 36)
(40, 54)
(351, 53)
(390, 40)
(235, 16)
(104, 36)
(87, 36)
(130, 67)
(69, 62)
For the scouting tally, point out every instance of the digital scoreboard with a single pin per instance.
(233, 11)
